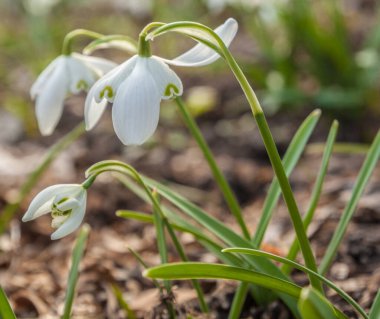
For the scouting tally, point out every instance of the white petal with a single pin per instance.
(44, 199)
(106, 86)
(49, 101)
(43, 78)
(72, 223)
(201, 54)
(168, 83)
(136, 108)
(81, 77)
(93, 110)
(99, 65)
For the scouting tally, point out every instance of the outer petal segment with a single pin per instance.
(168, 83)
(49, 101)
(201, 54)
(136, 108)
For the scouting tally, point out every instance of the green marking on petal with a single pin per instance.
(106, 91)
(59, 216)
(171, 89)
(82, 85)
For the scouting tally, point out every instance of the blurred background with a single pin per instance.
(298, 55)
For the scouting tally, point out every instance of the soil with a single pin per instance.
(34, 269)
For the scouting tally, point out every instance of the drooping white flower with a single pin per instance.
(137, 87)
(67, 204)
(65, 74)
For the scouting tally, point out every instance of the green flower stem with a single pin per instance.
(262, 124)
(276, 162)
(68, 40)
(144, 46)
(218, 175)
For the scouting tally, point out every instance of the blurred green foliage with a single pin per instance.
(322, 53)
(297, 53)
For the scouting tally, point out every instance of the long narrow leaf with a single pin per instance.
(293, 264)
(196, 270)
(211, 223)
(362, 180)
(317, 190)
(77, 254)
(6, 311)
(290, 160)
(313, 305)
(375, 309)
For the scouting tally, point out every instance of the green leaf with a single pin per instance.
(293, 264)
(317, 189)
(362, 180)
(290, 160)
(375, 309)
(77, 254)
(196, 270)
(313, 305)
(210, 223)
(10, 209)
(122, 303)
(6, 311)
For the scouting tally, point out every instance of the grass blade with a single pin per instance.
(12, 208)
(290, 160)
(6, 311)
(195, 270)
(123, 304)
(375, 309)
(362, 180)
(77, 254)
(313, 305)
(293, 264)
(317, 190)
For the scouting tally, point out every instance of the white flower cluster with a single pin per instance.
(135, 87)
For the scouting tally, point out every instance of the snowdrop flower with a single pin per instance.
(67, 204)
(137, 87)
(65, 74)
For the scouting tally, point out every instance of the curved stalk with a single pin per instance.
(67, 41)
(264, 131)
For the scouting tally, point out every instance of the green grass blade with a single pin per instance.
(210, 223)
(12, 208)
(317, 190)
(77, 254)
(6, 311)
(196, 270)
(293, 264)
(290, 160)
(219, 230)
(313, 305)
(362, 180)
(375, 309)
(122, 303)
(178, 224)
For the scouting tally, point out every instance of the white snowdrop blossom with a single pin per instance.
(67, 204)
(137, 86)
(65, 74)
